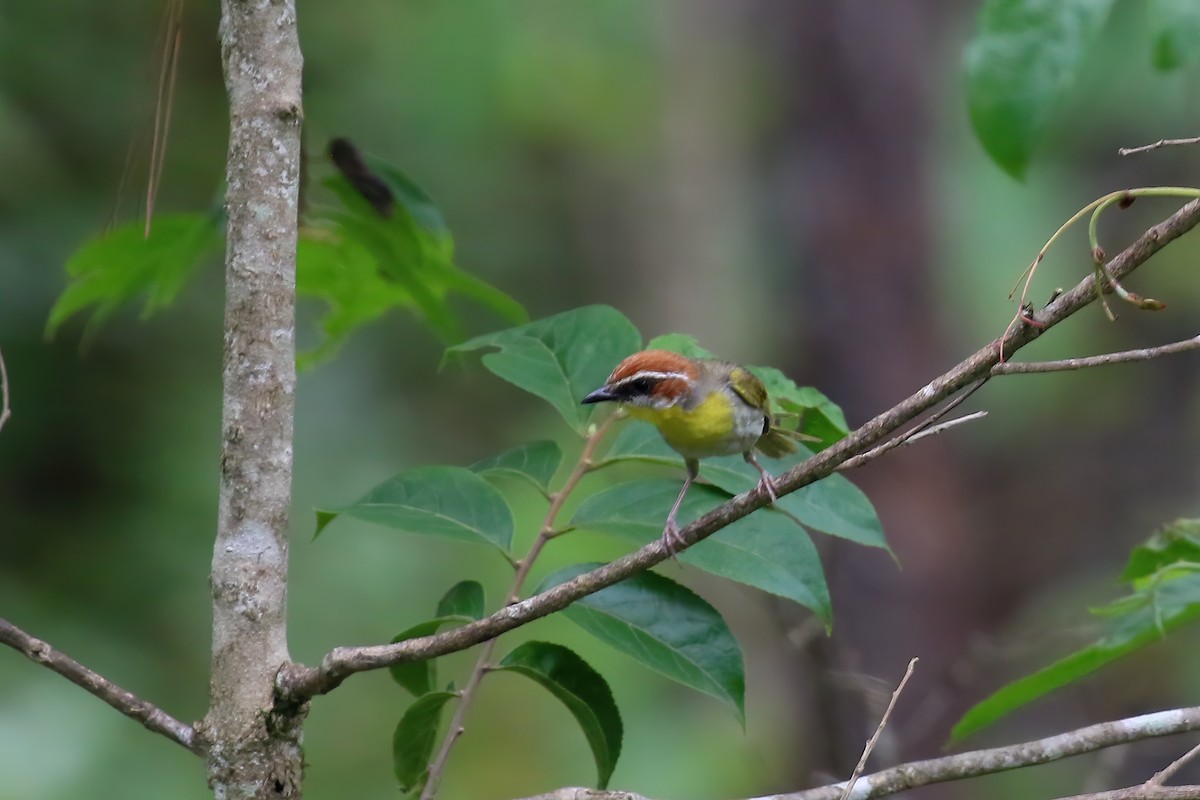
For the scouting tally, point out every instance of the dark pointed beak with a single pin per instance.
(599, 396)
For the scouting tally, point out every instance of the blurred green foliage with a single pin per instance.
(540, 127)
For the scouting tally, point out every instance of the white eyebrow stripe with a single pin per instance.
(652, 375)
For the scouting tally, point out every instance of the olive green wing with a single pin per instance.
(748, 387)
(775, 442)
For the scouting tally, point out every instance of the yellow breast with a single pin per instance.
(705, 430)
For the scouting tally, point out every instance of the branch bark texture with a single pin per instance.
(297, 682)
(253, 753)
(129, 704)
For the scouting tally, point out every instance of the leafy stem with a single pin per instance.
(548, 531)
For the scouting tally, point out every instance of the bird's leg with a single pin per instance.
(767, 482)
(670, 537)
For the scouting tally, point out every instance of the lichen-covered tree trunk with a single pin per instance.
(254, 753)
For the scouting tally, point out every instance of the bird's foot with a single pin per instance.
(767, 484)
(672, 539)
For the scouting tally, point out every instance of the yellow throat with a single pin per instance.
(705, 429)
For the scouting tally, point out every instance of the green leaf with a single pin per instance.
(822, 417)
(764, 550)
(560, 358)
(1175, 32)
(419, 677)
(465, 599)
(462, 604)
(1174, 543)
(666, 627)
(340, 271)
(363, 263)
(1020, 67)
(535, 462)
(121, 265)
(413, 740)
(682, 343)
(581, 689)
(1164, 573)
(437, 501)
(832, 505)
(1135, 623)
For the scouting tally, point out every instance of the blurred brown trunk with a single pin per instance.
(852, 198)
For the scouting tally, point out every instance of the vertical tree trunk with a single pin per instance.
(252, 753)
(854, 205)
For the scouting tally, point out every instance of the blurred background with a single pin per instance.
(794, 183)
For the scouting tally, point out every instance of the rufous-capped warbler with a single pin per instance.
(702, 407)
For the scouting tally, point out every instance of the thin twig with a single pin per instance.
(1166, 773)
(1142, 792)
(129, 704)
(915, 432)
(862, 762)
(950, 423)
(1146, 148)
(298, 683)
(438, 766)
(1123, 357)
(5, 408)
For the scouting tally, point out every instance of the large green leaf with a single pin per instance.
(437, 501)
(1165, 576)
(832, 505)
(764, 550)
(581, 689)
(1175, 28)
(363, 261)
(1021, 65)
(535, 462)
(123, 264)
(560, 358)
(666, 627)
(413, 740)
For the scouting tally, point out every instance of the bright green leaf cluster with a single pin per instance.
(124, 264)
(365, 262)
(360, 262)
(1164, 575)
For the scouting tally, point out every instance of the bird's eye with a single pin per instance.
(641, 386)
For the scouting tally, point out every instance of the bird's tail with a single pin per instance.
(779, 442)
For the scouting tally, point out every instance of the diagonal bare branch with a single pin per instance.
(129, 704)
(297, 682)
